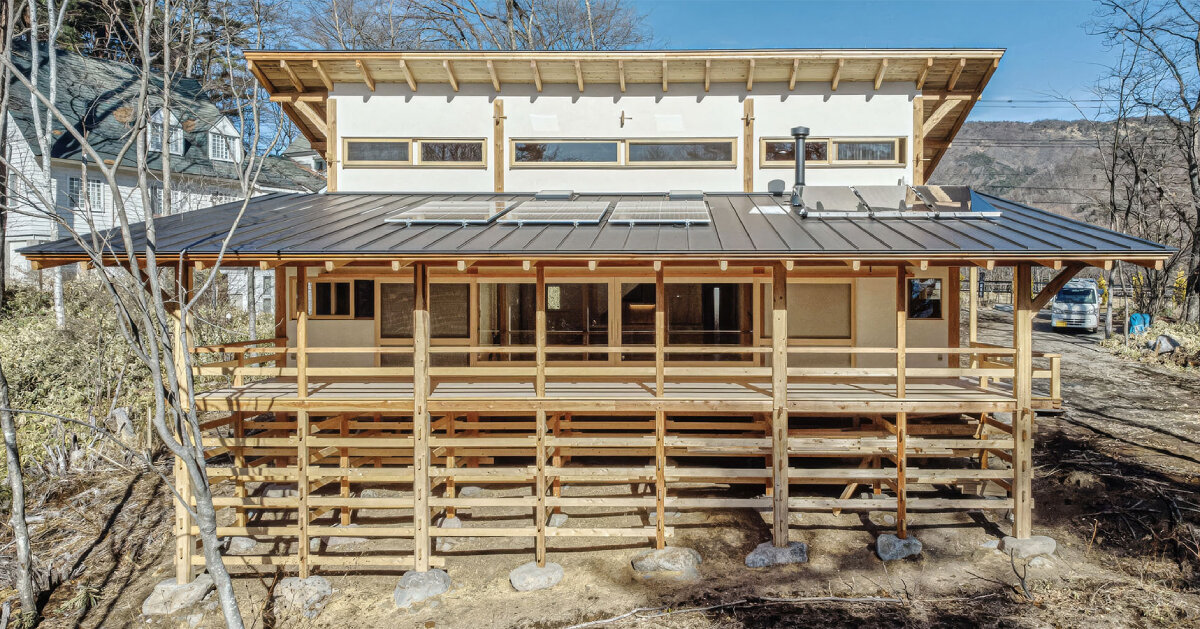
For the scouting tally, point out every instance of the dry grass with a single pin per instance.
(1186, 357)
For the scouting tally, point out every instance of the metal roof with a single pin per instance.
(282, 226)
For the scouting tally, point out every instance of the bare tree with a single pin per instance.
(150, 309)
(1159, 82)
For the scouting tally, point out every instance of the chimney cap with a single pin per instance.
(800, 132)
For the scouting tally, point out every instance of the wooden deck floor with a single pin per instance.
(933, 396)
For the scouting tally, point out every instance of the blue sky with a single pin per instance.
(1050, 52)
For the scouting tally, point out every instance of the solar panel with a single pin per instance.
(452, 212)
(564, 212)
(661, 212)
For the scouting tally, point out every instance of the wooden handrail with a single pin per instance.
(229, 347)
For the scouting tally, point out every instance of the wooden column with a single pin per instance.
(748, 145)
(1022, 492)
(420, 417)
(281, 309)
(901, 383)
(953, 314)
(344, 463)
(660, 417)
(901, 330)
(918, 146)
(779, 411)
(332, 145)
(302, 355)
(973, 310)
(540, 437)
(302, 487)
(185, 542)
(499, 164)
(239, 461)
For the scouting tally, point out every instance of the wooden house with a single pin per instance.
(582, 272)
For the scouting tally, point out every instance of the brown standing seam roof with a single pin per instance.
(352, 224)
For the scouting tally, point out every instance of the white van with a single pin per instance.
(1077, 305)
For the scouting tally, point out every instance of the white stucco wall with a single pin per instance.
(560, 111)
(876, 322)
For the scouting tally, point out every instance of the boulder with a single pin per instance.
(278, 490)
(889, 547)
(336, 540)
(469, 491)
(528, 577)
(415, 587)
(238, 544)
(305, 595)
(169, 597)
(668, 514)
(766, 554)
(1030, 547)
(444, 544)
(1162, 345)
(672, 560)
(557, 520)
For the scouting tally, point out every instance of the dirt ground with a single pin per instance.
(1116, 476)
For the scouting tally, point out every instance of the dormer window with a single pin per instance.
(174, 139)
(221, 147)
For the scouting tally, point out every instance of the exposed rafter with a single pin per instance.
(296, 82)
(750, 76)
(492, 73)
(325, 78)
(955, 74)
(408, 76)
(883, 65)
(537, 74)
(837, 74)
(792, 76)
(366, 74)
(664, 76)
(450, 74)
(621, 72)
(707, 73)
(579, 75)
(924, 73)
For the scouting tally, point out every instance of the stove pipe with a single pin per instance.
(799, 133)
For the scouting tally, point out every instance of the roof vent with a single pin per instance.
(686, 195)
(554, 195)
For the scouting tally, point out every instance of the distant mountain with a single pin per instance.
(1051, 164)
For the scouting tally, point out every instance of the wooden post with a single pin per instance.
(185, 542)
(1023, 391)
(344, 463)
(499, 164)
(239, 460)
(540, 437)
(779, 411)
(302, 487)
(901, 475)
(953, 314)
(748, 145)
(660, 417)
(332, 156)
(901, 330)
(302, 355)
(973, 309)
(451, 461)
(421, 417)
(918, 147)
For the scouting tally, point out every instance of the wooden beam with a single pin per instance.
(918, 147)
(901, 330)
(660, 419)
(750, 76)
(333, 149)
(792, 76)
(495, 77)
(537, 74)
(973, 308)
(883, 64)
(707, 73)
(292, 76)
(621, 73)
(267, 265)
(450, 74)
(924, 73)
(664, 75)
(498, 142)
(262, 78)
(955, 74)
(330, 265)
(938, 115)
(325, 78)
(408, 76)
(902, 475)
(837, 74)
(579, 75)
(312, 118)
(366, 74)
(748, 145)
(1053, 286)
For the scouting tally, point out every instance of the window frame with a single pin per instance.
(311, 307)
(831, 160)
(908, 284)
(732, 162)
(622, 145)
(512, 153)
(414, 153)
(220, 139)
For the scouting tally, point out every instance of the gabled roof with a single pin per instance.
(951, 79)
(744, 225)
(98, 97)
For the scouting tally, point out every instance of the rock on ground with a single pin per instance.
(766, 554)
(1026, 548)
(307, 595)
(470, 490)
(672, 559)
(278, 490)
(557, 520)
(444, 544)
(415, 587)
(889, 547)
(238, 544)
(668, 514)
(528, 577)
(169, 597)
(335, 540)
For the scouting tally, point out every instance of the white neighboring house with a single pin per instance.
(98, 96)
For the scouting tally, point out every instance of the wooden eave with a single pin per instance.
(300, 79)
